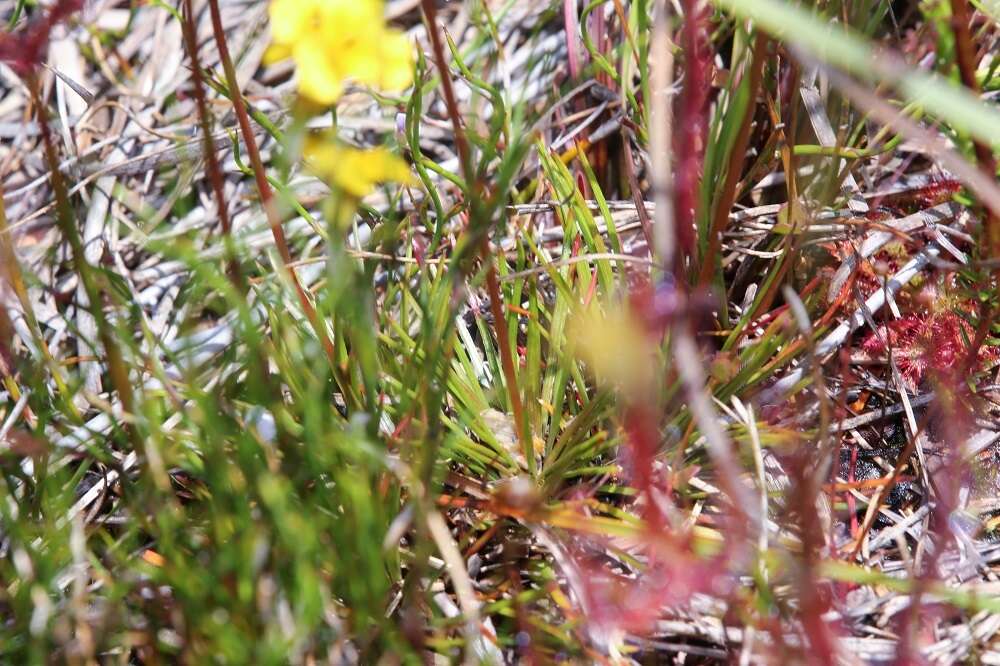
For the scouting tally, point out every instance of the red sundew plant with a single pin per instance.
(870, 275)
(927, 196)
(497, 389)
(928, 342)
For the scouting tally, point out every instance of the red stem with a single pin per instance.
(965, 54)
(492, 282)
(691, 123)
(263, 187)
(213, 169)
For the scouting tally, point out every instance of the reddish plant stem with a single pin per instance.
(212, 168)
(691, 125)
(506, 357)
(572, 30)
(214, 171)
(461, 143)
(633, 184)
(642, 427)
(965, 54)
(811, 589)
(263, 187)
(474, 189)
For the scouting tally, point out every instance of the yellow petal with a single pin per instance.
(352, 181)
(290, 18)
(359, 59)
(332, 41)
(615, 347)
(321, 154)
(276, 53)
(386, 167)
(354, 172)
(397, 61)
(319, 78)
(361, 170)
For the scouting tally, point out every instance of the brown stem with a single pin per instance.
(461, 143)
(965, 54)
(263, 187)
(214, 171)
(473, 188)
(507, 359)
(637, 199)
(212, 167)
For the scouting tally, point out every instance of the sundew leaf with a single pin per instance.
(843, 48)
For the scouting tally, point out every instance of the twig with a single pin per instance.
(212, 168)
(263, 187)
(476, 643)
(473, 188)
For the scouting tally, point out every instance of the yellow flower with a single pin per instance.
(354, 172)
(333, 41)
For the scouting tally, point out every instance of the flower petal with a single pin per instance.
(354, 172)
(333, 41)
(319, 77)
(276, 53)
(397, 61)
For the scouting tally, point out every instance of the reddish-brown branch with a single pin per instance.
(633, 184)
(461, 143)
(260, 176)
(473, 188)
(691, 124)
(212, 168)
(965, 54)
(506, 356)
